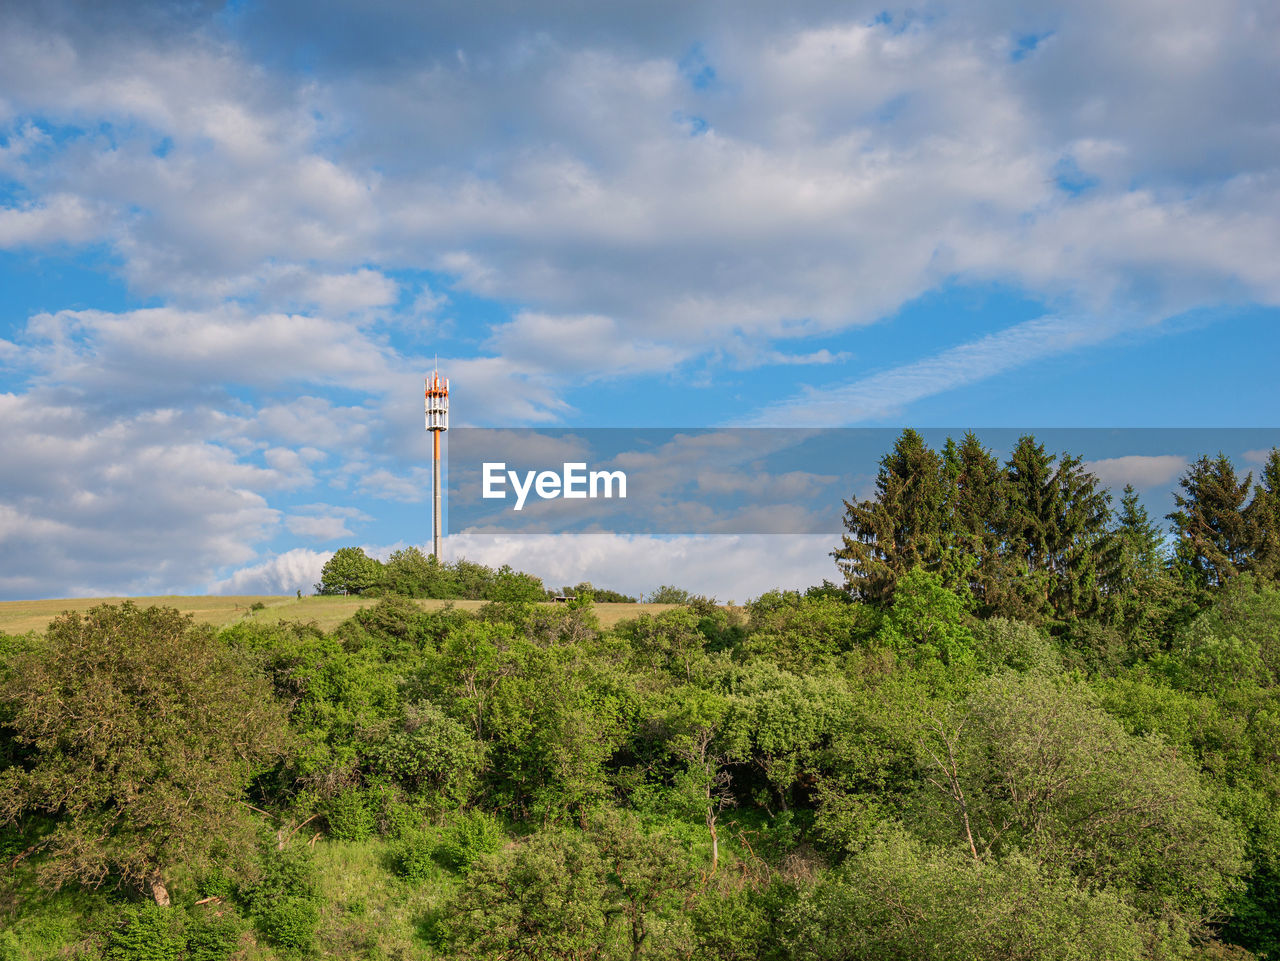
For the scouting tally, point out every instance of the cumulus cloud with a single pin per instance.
(60, 219)
(1142, 471)
(130, 506)
(727, 567)
(294, 570)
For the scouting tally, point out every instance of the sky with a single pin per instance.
(235, 236)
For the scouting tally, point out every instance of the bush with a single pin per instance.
(215, 884)
(146, 932)
(349, 816)
(214, 937)
(432, 754)
(1016, 645)
(473, 835)
(413, 859)
(284, 901)
(290, 922)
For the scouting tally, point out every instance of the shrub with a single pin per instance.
(146, 932)
(473, 835)
(213, 937)
(284, 901)
(290, 922)
(349, 815)
(413, 858)
(432, 754)
(1016, 645)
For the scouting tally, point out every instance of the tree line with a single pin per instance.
(409, 572)
(1039, 538)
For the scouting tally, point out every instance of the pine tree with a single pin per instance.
(1141, 591)
(1213, 532)
(978, 517)
(1263, 520)
(1055, 533)
(903, 526)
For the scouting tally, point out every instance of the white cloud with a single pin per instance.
(59, 219)
(1142, 471)
(295, 570)
(826, 170)
(882, 394)
(131, 505)
(728, 567)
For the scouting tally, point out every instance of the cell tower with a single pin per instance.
(437, 408)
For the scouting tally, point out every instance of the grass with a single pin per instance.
(19, 617)
(368, 912)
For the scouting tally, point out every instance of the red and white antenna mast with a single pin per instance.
(437, 408)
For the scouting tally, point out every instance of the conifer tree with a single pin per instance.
(1056, 531)
(903, 526)
(1263, 518)
(978, 518)
(1141, 590)
(1213, 532)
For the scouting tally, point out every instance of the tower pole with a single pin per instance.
(437, 411)
(436, 525)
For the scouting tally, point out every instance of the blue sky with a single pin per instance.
(233, 237)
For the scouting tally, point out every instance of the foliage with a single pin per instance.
(147, 730)
(1002, 644)
(284, 901)
(927, 621)
(901, 899)
(215, 936)
(431, 754)
(349, 571)
(147, 932)
(349, 815)
(472, 835)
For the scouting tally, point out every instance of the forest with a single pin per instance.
(1026, 721)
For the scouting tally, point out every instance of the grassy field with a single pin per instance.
(18, 617)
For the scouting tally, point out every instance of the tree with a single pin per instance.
(1213, 533)
(1056, 530)
(146, 730)
(1034, 767)
(545, 898)
(1263, 517)
(410, 573)
(904, 526)
(900, 899)
(703, 737)
(979, 503)
(1141, 590)
(349, 571)
(927, 621)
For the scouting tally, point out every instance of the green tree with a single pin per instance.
(512, 585)
(904, 525)
(1056, 531)
(979, 505)
(410, 573)
(1035, 767)
(900, 899)
(1214, 542)
(927, 621)
(1142, 592)
(544, 899)
(349, 571)
(146, 731)
(1263, 518)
